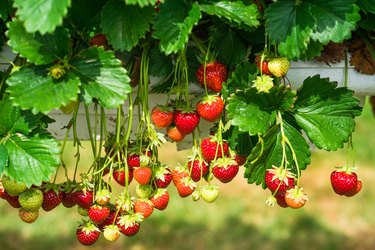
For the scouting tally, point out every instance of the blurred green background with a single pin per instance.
(239, 219)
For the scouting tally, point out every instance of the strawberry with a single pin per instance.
(133, 160)
(100, 40)
(69, 199)
(87, 234)
(295, 197)
(225, 169)
(174, 134)
(111, 218)
(31, 199)
(209, 147)
(129, 224)
(12, 200)
(344, 182)
(82, 211)
(209, 193)
(12, 187)
(280, 198)
(160, 199)
(84, 198)
(124, 203)
(240, 159)
(2, 190)
(51, 199)
(264, 69)
(210, 108)
(355, 191)
(143, 207)
(197, 169)
(143, 191)
(163, 177)
(279, 179)
(178, 174)
(186, 121)
(142, 175)
(28, 216)
(98, 214)
(111, 233)
(162, 116)
(216, 73)
(185, 187)
(119, 176)
(56, 71)
(103, 196)
(279, 66)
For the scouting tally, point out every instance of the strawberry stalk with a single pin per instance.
(76, 141)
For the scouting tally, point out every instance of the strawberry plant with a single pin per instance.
(103, 55)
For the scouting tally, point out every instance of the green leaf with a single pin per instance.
(141, 2)
(367, 5)
(368, 21)
(41, 15)
(160, 64)
(255, 112)
(226, 41)
(269, 152)
(294, 25)
(90, 17)
(36, 48)
(236, 12)
(32, 88)
(3, 158)
(174, 23)
(326, 113)
(5, 9)
(125, 25)
(32, 160)
(102, 77)
(11, 120)
(240, 79)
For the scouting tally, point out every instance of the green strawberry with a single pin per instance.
(111, 233)
(28, 216)
(279, 66)
(143, 191)
(263, 83)
(31, 199)
(209, 193)
(12, 187)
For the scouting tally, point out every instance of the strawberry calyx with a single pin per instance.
(87, 227)
(263, 83)
(225, 162)
(129, 220)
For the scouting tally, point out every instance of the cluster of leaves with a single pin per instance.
(57, 32)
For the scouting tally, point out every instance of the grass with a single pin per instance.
(237, 220)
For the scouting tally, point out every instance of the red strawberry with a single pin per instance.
(209, 146)
(119, 176)
(197, 169)
(210, 108)
(98, 214)
(129, 224)
(355, 191)
(225, 169)
(142, 175)
(280, 198)
(124, 203)
(12, 200)
(28, 216)
(100, 40)
(240, 159)
(84, 198)
(185, 187)
(69, 199)
(162, 116)
(160, 199)
(87, 234)
(108, 221)
(187, 121)
(279, 179)
(216, 74)
(178, 174)
(143, 207)
(134, 160)
(295, 197)
(163, 177)
(2, 190)
(344, 182)
(51, 199)
(264, 69)
(174, 134)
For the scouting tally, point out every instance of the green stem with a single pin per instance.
(88, 122)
